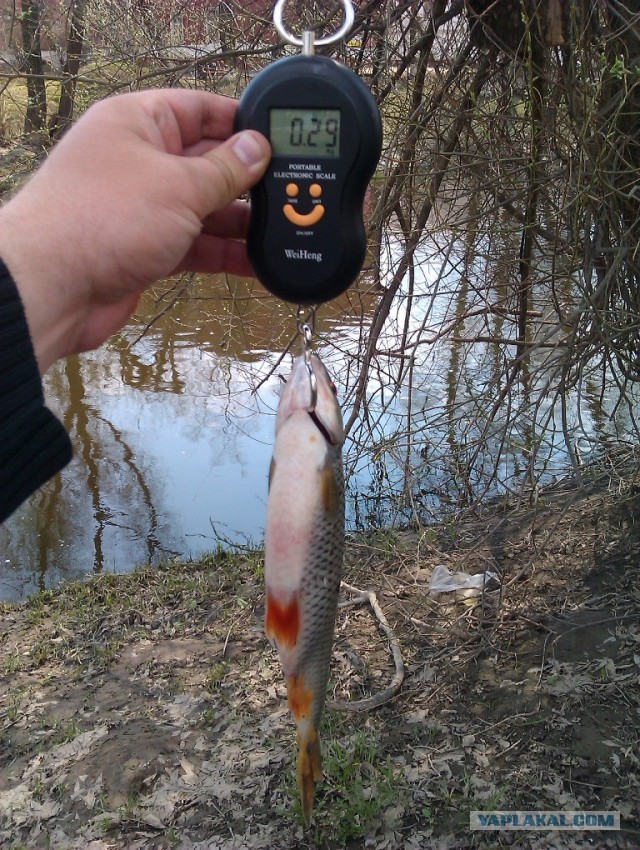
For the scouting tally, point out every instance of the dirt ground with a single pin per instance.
(148, 710)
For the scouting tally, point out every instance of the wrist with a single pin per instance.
(29, 252)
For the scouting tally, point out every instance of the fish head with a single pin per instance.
(311, 389)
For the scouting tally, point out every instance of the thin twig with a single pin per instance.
(362, 596)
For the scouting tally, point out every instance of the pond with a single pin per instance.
(172, 425)
(172, 421)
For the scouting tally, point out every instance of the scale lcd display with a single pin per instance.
(306, 132)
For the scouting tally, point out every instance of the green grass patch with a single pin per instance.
(361, 789)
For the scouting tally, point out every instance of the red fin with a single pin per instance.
(309, 769)
(282, 622)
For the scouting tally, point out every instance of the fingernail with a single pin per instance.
(248, 149)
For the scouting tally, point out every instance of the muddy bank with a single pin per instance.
(148, 711)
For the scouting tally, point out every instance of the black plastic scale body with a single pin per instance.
(306, 236)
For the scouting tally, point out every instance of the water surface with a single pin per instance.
(172, 427)
(172, 420)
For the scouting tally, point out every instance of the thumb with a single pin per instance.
(234, 166)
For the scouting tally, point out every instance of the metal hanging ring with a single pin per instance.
(349, 17)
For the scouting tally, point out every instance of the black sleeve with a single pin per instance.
(33, 443)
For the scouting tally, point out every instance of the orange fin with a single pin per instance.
(300, 698)
(282, 620)
(329, 491)
(309, 769)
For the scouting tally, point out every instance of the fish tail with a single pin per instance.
(309, 768)
(301, 701)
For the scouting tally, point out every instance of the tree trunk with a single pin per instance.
(75, 42)
(31, 19)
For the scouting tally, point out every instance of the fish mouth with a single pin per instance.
(322, 428)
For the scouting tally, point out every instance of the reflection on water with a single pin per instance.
(172, 442)
(172, 421)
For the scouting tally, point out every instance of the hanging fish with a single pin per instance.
(304, 546)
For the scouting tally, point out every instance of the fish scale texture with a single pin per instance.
(320, 588)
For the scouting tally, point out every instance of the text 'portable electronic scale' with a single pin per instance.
(306, 236)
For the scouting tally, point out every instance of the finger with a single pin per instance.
(223, 174)
(213, 255)
(198, 114)
(202, 147)
(231, 222)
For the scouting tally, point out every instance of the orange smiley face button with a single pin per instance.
(304, 219)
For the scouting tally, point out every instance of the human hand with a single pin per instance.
(143, 186)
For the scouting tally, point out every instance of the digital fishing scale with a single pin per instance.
(306, 237)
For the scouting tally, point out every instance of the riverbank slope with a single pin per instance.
(148, 711)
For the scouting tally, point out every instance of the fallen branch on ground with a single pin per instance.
(362, 596)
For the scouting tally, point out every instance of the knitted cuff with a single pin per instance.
(34, 446)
